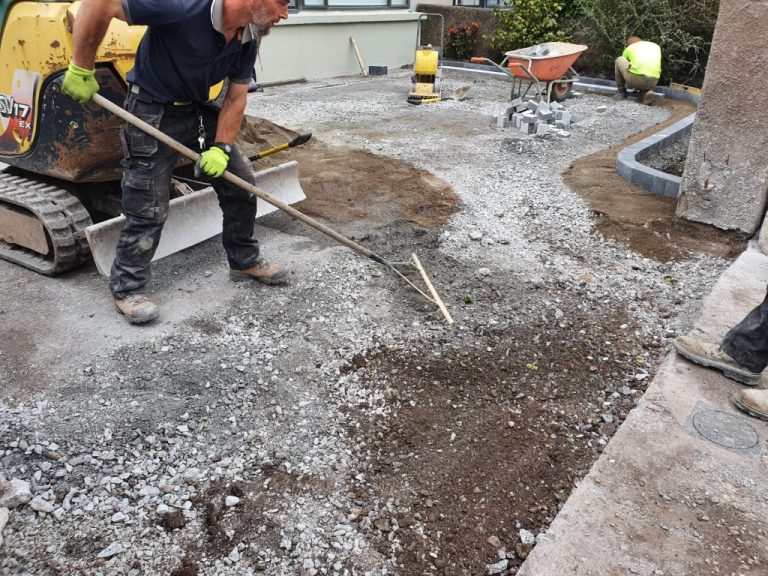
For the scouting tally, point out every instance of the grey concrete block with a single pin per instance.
(672, 187)
(516, 102)
(564, 116)
(556, 106)
(642, 178)
(623, 169)
(601, 109)
(522, 107)
(545, 114)
(533, 105)
(542, 129)
(502, 121)
(632, 151)
(517, 119)
(527, 128)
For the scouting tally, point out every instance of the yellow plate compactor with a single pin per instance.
(427, 65)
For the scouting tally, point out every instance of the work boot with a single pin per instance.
(753, 402)
(264, 272)
(712, 356)
(621, 94)
(137, 308)
(646, 98)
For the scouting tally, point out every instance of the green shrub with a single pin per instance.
(460, 40)
(526, 23)
(575, 8)
(683, 29)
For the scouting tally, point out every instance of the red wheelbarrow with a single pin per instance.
(547, 67)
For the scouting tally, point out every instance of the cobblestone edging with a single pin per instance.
(629, 161)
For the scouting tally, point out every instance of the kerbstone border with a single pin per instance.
(630, 168)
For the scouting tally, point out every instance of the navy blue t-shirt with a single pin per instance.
(181, 54)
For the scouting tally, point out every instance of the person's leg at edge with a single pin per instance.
(742, 355)
(747, 342)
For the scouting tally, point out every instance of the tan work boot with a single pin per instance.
(264, 272)
(753, 402)
(648, 98)
(712, 356)
(137, 308)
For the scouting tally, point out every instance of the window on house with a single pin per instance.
(298, 5)
(480, 3)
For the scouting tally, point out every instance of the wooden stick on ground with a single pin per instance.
(431, 288)
(359, 57)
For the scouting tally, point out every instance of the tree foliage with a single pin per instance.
(526, 23)
(683, 29)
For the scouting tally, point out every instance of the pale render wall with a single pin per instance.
(311, 46)
(729, 142)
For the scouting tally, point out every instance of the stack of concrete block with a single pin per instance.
(537, 117)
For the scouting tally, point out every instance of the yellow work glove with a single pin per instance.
(79, 83)
(213, 162)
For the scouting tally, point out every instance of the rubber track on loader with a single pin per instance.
(61, 214)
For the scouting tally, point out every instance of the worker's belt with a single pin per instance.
(147, 98)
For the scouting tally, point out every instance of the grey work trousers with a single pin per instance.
(147, 169)
(747, 342)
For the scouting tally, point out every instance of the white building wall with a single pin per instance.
(313, 45)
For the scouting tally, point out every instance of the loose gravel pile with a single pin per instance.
(669, 159)
(272, 435)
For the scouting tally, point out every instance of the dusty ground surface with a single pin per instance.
(338, 425)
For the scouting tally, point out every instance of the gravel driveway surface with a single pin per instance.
(339, 425)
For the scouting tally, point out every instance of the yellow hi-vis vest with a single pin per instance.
(644, 58)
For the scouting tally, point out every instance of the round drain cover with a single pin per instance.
(725, 430)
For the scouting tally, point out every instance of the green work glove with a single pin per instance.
(213, 162)
(79, 84)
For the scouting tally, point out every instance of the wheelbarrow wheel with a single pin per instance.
(559, 91)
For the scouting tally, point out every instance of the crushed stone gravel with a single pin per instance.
(230, 443)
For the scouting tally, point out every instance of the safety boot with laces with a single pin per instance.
(712, 356)
(646, 98)
(137, 308)
(753, 402)
(264, 271)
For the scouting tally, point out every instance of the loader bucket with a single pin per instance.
(195, 217)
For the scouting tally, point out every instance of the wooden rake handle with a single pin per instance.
(258, 192)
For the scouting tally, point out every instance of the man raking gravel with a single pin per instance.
(188, 47)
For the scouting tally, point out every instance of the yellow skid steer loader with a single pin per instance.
(62, 178)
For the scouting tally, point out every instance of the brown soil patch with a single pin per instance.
(490, 437)
(644, 221)
(352, 189)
